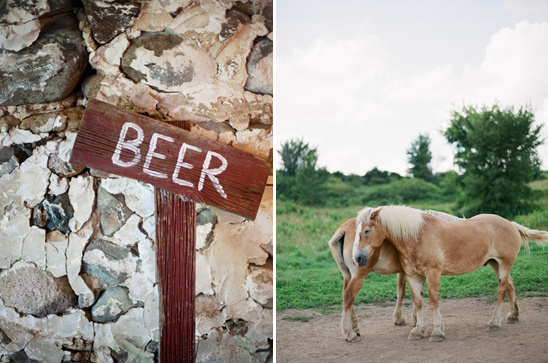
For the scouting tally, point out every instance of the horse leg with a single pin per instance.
(416, 284)
(349, 321)
(513, 315)
(397, 316)
(433, 282)
(503, 275)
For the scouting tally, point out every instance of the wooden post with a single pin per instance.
(176, 241)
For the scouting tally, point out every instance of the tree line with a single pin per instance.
(495, 152)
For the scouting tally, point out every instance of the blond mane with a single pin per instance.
(400, 222)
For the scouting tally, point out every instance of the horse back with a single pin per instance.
(466, 245)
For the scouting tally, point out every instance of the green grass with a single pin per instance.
(308, 278)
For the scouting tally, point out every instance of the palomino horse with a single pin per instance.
(429, 247)
(341, 248)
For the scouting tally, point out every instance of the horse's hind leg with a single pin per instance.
(513, 315)
(503, 273)
(397, 316)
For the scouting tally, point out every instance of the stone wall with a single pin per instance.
(77, 251)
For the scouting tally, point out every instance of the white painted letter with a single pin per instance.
(132, 145)
(212, 172)
(151, 153)
(181, 164)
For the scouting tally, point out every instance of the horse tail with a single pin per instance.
(337, 248)
(539, 237)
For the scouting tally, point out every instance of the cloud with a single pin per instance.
(341, 96)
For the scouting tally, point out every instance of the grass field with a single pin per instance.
(307, 276)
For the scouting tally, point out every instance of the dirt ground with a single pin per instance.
(466, 338)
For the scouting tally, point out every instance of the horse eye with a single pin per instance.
(368, 231)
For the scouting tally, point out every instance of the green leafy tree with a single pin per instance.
(300, 179)
(420, 156)
(293, 153)
(496, 150)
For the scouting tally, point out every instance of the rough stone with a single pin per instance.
(56, 260)
(14, 227)
(108, 19)
(111, 304)
(260, 68)
(139, 197)
(8, 122)
(62, 168)
(108, 262)
(203, 275)
(220, 346)
(130, 333)
(130, 233)
(74, 253)
(167, 62)
(232, 58)
(106, 59)
(54, 213)
(153, 17)
(57, 185)
(208, 314)
(46, 71)
(73, 116)
(206, 216)
(33, 177)
(82, 197)
(44, 350)
(151, 314)
(33, 291)
(259, 285)
(15, 37)
(8, 165)
(46, 122)
(113, 210)
(33, 249)
(16, 11)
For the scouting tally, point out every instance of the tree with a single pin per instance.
(419, 156)
(300, 179)
(496, 150)
(293, 153)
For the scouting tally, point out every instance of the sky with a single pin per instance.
(361, 80)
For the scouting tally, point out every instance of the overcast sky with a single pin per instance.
(360, 80)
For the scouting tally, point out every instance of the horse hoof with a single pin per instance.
(400, 322)
(352, 337)
(412, 336)
(493, 328)
(436, 338)
(510, 320)
(417, 333)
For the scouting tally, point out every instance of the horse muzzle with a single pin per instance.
(360, 259)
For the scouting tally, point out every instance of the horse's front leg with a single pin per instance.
(415, 284)
(349, 321)
(397, 316)
(433, 282)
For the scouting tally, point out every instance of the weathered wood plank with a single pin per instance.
(176, 250)
(203, 170)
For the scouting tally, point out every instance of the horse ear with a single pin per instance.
(374, 215)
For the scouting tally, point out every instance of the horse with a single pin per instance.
(341, 248)
(429, 247)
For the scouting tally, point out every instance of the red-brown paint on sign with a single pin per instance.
(132, 145)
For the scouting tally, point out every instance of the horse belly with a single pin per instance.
(460, 264)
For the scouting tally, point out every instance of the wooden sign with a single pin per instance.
(128, 144)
